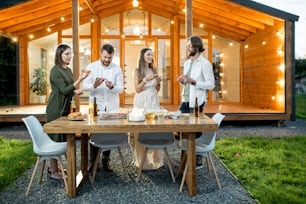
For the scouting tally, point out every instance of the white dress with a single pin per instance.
(147, 99)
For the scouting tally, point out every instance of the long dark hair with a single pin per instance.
(58, 54)
(142, 64)
(197, 43)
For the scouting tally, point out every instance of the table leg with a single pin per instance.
(71, 160)
(84, 154)
(191, 159)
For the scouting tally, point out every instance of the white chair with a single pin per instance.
(204, 146)
(156, 141)
(108, 141)
(44, 147)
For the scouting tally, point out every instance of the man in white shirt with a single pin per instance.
(197, 79)
(105, 82)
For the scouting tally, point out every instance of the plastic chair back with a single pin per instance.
(208, 140)
(42, 144)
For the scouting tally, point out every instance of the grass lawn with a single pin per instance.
(301, 106)
(15, 157)
(272, 170)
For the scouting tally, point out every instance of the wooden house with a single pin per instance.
(250, 45)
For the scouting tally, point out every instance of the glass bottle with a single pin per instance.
(91, 108)
(95, 107)
(72, 106)
(196, 108)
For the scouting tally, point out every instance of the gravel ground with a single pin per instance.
(155, 186)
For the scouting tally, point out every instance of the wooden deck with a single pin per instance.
(232, 112)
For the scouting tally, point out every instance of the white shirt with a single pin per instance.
(203, 73)
(107, 99)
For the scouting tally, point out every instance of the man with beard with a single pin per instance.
(105, 83)
(197, 79)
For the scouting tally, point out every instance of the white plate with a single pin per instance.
(76, 119)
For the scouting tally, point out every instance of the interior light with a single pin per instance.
(263, 42)
(135, 3)
(246, 46)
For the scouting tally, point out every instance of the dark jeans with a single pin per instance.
(184, 108)
(94, 151)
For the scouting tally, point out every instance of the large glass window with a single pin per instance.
(160, 25)
(41, 54)
(164, 70)
(110, 25)
(83, 30)
(195, 30)
(226, 64)
(135, 22)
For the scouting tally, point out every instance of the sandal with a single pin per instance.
(59, 170)
(199, 163)
(56, 176)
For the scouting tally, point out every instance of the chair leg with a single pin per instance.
(214, 170)
(42, 171)
(33, 175)
(94, 170)
(184, 177)
(142, 163)
(207, 164)
(63, 173)
(123, 164)
(169, 164)
(182, 164)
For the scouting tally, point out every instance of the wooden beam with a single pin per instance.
(38, 15)
(27, 8)
(188, 19)
(75, 42)
(91, 7)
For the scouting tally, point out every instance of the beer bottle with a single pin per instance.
(95, 107)
(72, 106)
(196, 108)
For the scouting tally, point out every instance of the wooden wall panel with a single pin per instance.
(261, 73)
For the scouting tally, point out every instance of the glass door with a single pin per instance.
(131, 55)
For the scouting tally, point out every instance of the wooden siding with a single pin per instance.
(261, 72)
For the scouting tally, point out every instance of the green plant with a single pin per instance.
(39, 85)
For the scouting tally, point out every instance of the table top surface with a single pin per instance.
(185, 123)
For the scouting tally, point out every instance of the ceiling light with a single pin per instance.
(135, 3)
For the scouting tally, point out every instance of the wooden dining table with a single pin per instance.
(187, 124)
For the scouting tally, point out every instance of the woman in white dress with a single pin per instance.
(147, 84)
